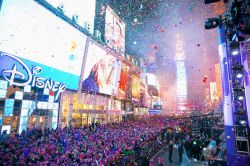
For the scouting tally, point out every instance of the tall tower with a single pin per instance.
(181, 87)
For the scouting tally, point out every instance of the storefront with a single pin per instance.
(26, 103)
(114, 111)
(81, 109)
(140, 111)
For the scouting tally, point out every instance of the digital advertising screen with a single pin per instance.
(83, 11)
(40, 38)
(114, 31)
(124, 76)
(153, 91)
(101, 72)
(151, 79)
(135, 86)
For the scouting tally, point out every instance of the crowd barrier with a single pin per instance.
(143, 153)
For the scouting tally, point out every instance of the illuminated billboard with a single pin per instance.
(114, 31)
(81, 11)
(151, 79)
(153, 91)
(213, 92)
(38, 37)
(123, 81)
(101, 72)
(135, 86)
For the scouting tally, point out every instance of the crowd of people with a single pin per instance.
(111, 144)
(208, 142)
(92, 145)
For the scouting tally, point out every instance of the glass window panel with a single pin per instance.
(54, 125)
(22, 128)
(3, 93)
(24, 112)
(39, 105)
(18, 104)
(56, 106)
(43, 112)
(8, 111)
(17, 111)
(9, 103)
(2, 102)
(40, 97)
(54, 119)
(55, 113)
(26, 96)
(19, 95)
(50, 113)
(25, 104)
(23, 120)
(50, 106)
(45, 105)
(33, 96)
(46, 98)
(27, 88)
(51, 99)
(3, 84)
(46, 91)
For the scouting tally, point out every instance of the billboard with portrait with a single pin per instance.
(124, 76)
(135, 86)
(38, 37)
(101, 72)
(114, 31)
(81, 11)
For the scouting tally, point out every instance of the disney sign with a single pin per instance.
(31, 79)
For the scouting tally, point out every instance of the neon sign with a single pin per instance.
(31, 79)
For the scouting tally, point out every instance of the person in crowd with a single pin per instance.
(180, 150)
(170, 150)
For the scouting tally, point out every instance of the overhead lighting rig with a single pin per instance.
(236, 20)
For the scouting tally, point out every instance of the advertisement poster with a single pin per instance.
(153, 91)
(40, 38)
(124, 76)
(114, 31)
(101, 72)
(135, 86)
(82, 11)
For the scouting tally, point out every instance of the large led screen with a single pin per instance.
(101, 71)
(124, 76)
(114, 31)
(32, 33)
(82, 11)
(135, 86)
(151, 79)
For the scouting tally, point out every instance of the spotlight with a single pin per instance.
(239, 75)
(211, 23)
(235, 52)
(234, 48)
(242, 122)
(240, 98)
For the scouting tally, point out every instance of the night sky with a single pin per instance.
(151, 35)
